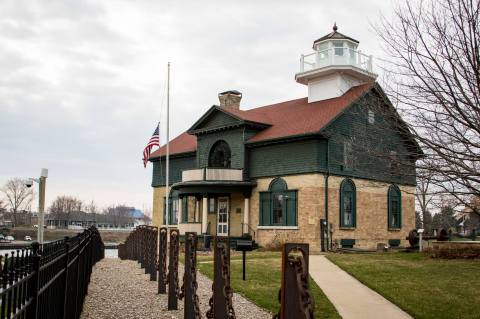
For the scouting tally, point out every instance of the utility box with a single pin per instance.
(244, 245)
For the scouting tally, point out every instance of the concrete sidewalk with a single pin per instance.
(352, 299)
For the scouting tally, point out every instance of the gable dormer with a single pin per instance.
(228, 126)
(226, 116)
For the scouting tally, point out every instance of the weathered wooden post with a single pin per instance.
(296, 300)
(221, 300)
(173, 270)
(153, 253)
(162, 261)
(190, 285)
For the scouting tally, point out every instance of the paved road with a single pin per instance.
(352, 299)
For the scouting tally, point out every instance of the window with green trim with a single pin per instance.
(394, 208)
(348, 205)
(278, 206)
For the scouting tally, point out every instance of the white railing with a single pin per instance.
(223, 174)
(340, 56)
(212, 174)
(192, 175)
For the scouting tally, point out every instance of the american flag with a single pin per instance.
(154, 141)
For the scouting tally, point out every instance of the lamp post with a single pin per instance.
(42, 181)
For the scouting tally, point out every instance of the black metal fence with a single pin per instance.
(49, 282)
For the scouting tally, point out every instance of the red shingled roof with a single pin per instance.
(183, 143)
(299, 117)
(296, 117)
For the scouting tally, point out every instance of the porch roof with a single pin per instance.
(213, 187)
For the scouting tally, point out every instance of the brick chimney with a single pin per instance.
(230, 99)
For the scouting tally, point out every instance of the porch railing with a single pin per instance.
(193, 175)
(190, 228)
(212, 174)
(339, 56)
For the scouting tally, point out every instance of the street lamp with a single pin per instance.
(42, 181)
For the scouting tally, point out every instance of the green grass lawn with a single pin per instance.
(423, 287)
(263, 281)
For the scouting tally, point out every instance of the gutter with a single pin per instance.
(327, 175)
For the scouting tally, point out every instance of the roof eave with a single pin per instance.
(288, 138)
(174, 155)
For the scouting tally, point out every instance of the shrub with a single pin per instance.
(280, 238)
(455, 253)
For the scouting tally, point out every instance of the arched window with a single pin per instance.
(278, 185)
(220, 155)
(278, 206)
(348, 205)
(394, 207)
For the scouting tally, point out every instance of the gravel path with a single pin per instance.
(120, 289)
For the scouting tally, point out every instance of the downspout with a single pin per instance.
(327, 175)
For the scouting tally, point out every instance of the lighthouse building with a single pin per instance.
(332, 169)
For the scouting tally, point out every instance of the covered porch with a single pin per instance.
(211, 207)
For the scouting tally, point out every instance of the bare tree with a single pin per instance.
(18, 195)
(424, 196)
(434, 78)
(63, 206)
(91, 208)
(3, 207)
(119, 214)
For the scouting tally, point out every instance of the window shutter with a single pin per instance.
(265, 208)
(291, 206)
(185, 210)
(164, 211)
(170, 211)
(394, 207)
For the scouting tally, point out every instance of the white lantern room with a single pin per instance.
(335, 66)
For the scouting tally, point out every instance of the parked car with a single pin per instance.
(28, 238)
(10, 238)
(2, 237)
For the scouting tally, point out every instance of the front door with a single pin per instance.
(222, 216)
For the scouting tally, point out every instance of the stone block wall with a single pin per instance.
(309, 211)
(371, 212)
(158, 203)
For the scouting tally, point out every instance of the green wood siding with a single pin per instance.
(265, 208)
(217, 120)
(287, 158)
(234, 139)
(371, 147)
(372, 144)
(177, 165)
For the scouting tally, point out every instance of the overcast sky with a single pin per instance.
(82, 82)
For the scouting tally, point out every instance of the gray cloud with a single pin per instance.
(82, 81)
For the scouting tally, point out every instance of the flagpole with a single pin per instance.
(167, 164)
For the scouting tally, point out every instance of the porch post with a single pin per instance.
(204, 214)
(246, 213)
(197, 210)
